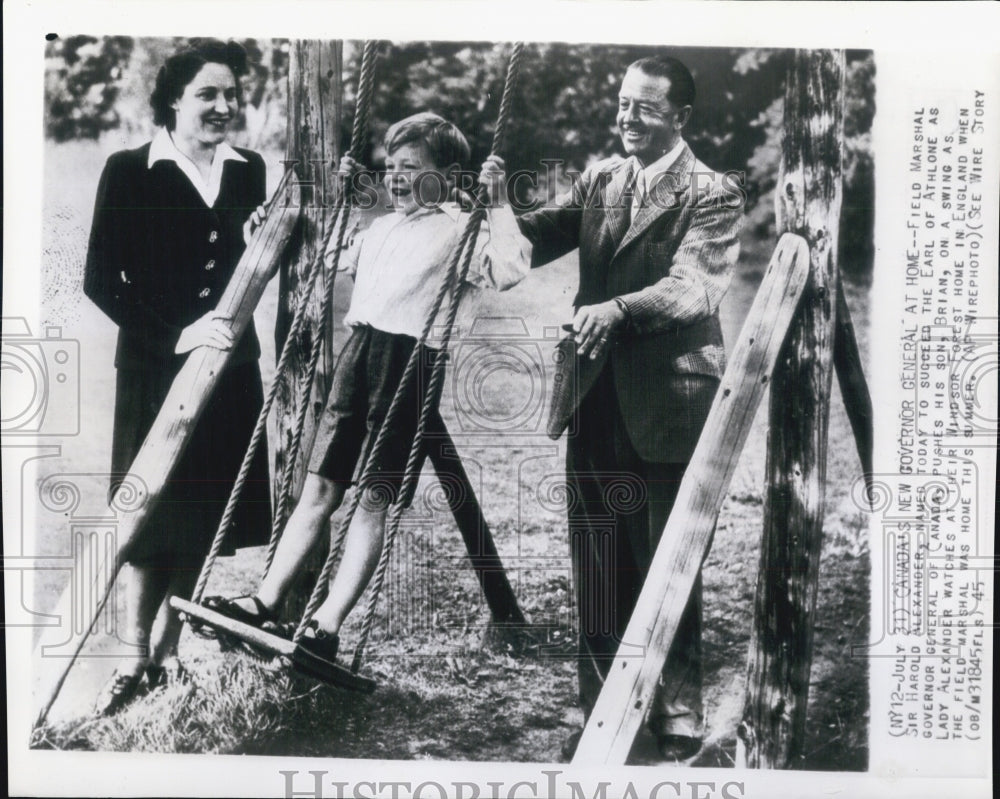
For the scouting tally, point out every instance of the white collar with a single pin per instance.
(163, 148)
(453, 211)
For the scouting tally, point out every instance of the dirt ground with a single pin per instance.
(441, 694)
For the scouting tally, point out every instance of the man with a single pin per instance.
(657, 234)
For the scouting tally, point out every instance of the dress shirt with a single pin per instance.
(163, 148)
(649, 175)
(399, 261)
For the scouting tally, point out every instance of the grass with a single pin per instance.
(442, 695)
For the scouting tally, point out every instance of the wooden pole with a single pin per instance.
(632, 680)
(468, 514)
(188, 396)
(808, 204)
(315, 103)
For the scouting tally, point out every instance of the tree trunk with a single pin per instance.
(808, 203)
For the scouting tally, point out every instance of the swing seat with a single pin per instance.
(274, 645)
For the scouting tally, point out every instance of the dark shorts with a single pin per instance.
(368, 372)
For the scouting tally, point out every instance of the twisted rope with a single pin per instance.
(454, 281)
(341, 214)
(375, 451)
(359, 135)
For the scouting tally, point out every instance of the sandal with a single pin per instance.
(226, 606)
(229, 608)
(262, 618)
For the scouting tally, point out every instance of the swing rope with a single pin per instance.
(466, 246)
(432, 397)
(342, 212)
(359, 136)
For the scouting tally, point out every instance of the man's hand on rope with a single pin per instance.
(594, 327)
(212, 330)
(493, 179)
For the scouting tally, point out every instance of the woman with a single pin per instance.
(170, 225)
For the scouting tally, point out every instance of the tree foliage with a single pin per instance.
(564, 107)
(82, 77)
(93, 85)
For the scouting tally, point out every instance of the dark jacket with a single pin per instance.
(158, 260)
(672, 265)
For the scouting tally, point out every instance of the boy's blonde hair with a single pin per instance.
(445, 143)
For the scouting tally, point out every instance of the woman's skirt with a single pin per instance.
(180, 529)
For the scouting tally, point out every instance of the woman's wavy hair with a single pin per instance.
(180, 69)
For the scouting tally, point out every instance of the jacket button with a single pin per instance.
(210, 265)
(204, 293)
(213, 236)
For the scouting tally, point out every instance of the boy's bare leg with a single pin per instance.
(320, 498)
(362, 549)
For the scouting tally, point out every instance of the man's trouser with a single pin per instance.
(618, 507)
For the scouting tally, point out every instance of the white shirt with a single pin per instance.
(162, 148)
(649, 175)
(399, 261)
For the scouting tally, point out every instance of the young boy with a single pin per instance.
(398, 264)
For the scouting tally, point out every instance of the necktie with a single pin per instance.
(639, 193)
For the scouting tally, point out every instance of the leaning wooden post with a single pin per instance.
(479, 544)
(95, 572)
(808, 203)
(313, 137)
(633, 679)
(853, 386)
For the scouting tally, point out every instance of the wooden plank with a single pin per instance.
(188, 396)
(808, 199)
(632, 680)
(267, 642)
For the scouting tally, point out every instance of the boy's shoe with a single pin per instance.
(119, 692)
(316, 655)
(679, 735)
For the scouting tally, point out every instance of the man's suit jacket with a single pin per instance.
(672, 265)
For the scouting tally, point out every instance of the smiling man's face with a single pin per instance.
(648, 123)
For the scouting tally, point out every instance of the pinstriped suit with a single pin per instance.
(638, 425)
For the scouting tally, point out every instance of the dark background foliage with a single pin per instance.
(564, 107)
